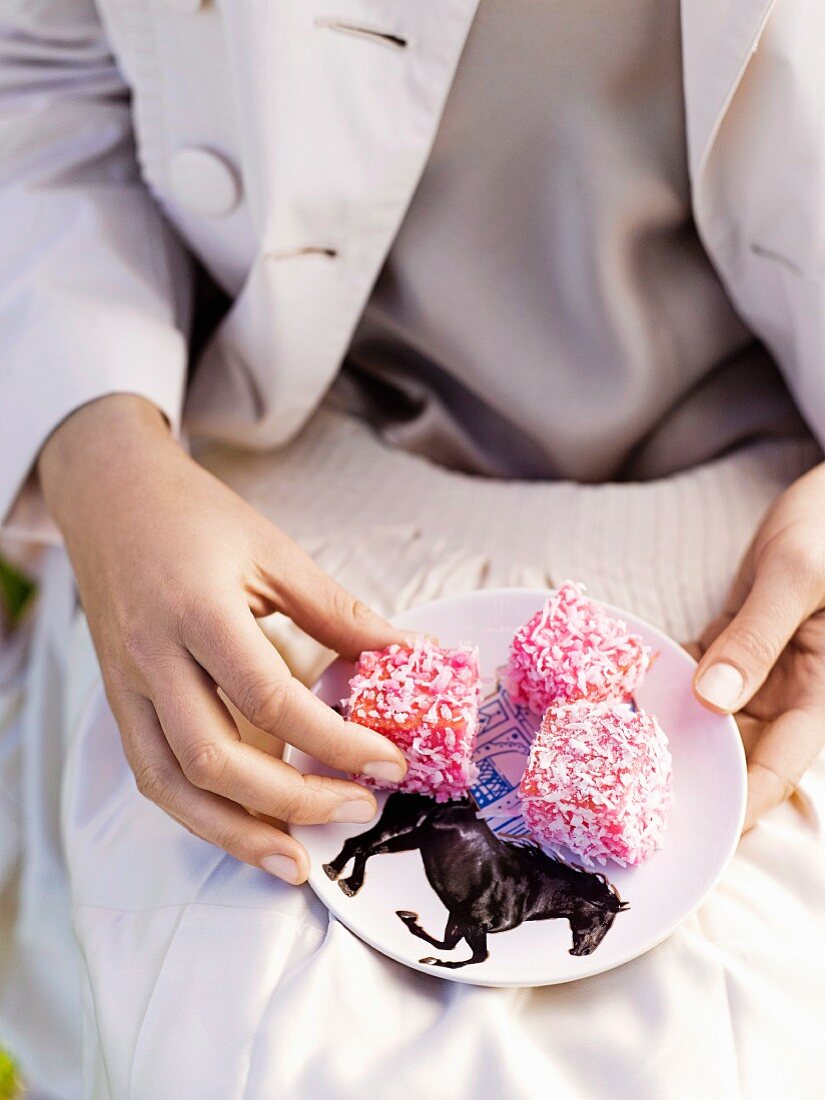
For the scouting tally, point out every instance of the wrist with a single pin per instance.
(94, 446)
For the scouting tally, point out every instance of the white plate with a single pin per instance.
(709, 790)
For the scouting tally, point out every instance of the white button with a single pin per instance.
(188, 7)
(204, 181)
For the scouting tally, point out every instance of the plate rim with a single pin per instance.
(290, 752)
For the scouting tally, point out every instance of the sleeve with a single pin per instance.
(95, 290)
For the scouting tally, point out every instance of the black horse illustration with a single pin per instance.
(487, 884)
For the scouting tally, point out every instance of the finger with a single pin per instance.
(214, 819)
(233, 650)
(326, 611)
(738, 661)
(714, 629)
(211, 755)
(780, 758)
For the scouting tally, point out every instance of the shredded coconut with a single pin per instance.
(598, 782)
(572, 649)
(426, 700)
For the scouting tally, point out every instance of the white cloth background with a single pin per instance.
(203, 977)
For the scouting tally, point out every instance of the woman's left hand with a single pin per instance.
(763, 659)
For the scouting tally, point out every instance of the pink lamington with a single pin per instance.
(572, 649)
(426, 700)
(598, 782)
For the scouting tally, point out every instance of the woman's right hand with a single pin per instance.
(173, 568)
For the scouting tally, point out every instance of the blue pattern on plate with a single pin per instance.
(502, 747)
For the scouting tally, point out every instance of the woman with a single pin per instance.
(499, 293)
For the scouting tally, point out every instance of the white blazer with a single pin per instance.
(280, 141)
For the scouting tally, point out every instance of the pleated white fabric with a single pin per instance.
(202, 977)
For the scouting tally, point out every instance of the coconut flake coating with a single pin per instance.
(425, 699)
(598, 782)
(572, 649)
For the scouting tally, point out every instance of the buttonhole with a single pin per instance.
(769, 254)
(308, 250)
(363, 32)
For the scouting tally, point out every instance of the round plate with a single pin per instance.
(709, 791)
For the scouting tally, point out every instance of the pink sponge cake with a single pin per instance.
(572, 649)
(426, 700)
(598, 782)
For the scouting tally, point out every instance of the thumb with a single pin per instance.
(738, 661)
(331, 614)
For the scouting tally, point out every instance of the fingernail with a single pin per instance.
(721, 685)
(356, 811)
(384, 769)
(282, 867)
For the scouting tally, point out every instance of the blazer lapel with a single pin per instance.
(337, 107)
(718, 39)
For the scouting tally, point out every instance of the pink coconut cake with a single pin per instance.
(425, 699)
(573, 649)
(598, 782)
